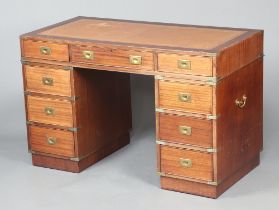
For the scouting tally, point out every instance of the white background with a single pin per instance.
(127, 179)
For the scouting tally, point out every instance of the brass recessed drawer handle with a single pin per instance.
(47, 81)
(135, 59)
(184, 97)
(187, 163)
(240, 103)
(45, 50)
(51, 140)
(185, 130)
(184, 64)
(89, 55)
(49, 111)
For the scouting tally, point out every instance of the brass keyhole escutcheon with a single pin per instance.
(47, 81)
(49, 111)
(184, 64)
(51, 140)
(240, 103)
(187, 163)
(89, 55)
(45, 50)
(184, 97)
(185, 130)
(135, 59)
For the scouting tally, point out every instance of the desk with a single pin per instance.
(208, 97)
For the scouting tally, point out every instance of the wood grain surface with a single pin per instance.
(202, 167)
(60, 163)
(199, 65)
(64, 141)
(202, 189)
(239, 130)
(169, 130)
(31, 48)
(103, 110)
(62, 116)
(60, 79)
(112, 56)
(239, 55)
(201, 97)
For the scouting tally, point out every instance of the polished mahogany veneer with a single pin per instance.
(208, 97)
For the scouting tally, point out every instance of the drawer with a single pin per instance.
(50, 111)
(47, 80)
(51, 141)
(107, 56)
(185, 130)
(45, 50)
(186, 163)
(185, 64)
(185, 97)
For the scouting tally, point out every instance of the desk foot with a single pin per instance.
(78, 166)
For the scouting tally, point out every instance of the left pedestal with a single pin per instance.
(75, 117)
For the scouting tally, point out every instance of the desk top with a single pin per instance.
(146, 34)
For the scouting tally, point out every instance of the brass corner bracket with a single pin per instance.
(159, 77)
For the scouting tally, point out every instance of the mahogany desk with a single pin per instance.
(208, 96)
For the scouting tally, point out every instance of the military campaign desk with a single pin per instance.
(208, 96)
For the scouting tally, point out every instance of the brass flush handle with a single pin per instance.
(185, 130)
(47, 81)
(240, 103)
(51, 140)
(184, 97)
(184, 64)
(45, 50)
(135, 59)
(89, 55)
(49, 111)
(187, 163)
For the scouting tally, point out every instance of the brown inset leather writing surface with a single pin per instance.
(208, 97)
(145, 34)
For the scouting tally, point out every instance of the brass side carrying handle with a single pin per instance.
(51, 140)
(89, 55)
(184, 97)
(47, 81)
(185, 130)
(45, 50)
(135, 59)
(184, 64)
(240, 103)
(49, 111)
(187, 163)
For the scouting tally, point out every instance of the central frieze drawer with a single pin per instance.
(50, 111)
(185, 97)
(52, 141)
(116, 57)
(186, 163)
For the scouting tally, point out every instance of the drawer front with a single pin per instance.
(185, 97)
(106, 56)
(45, 50)
(47, 80)
(186, 163)
(50, 111)
(185, 130)
(51, 141)
(185, 64)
